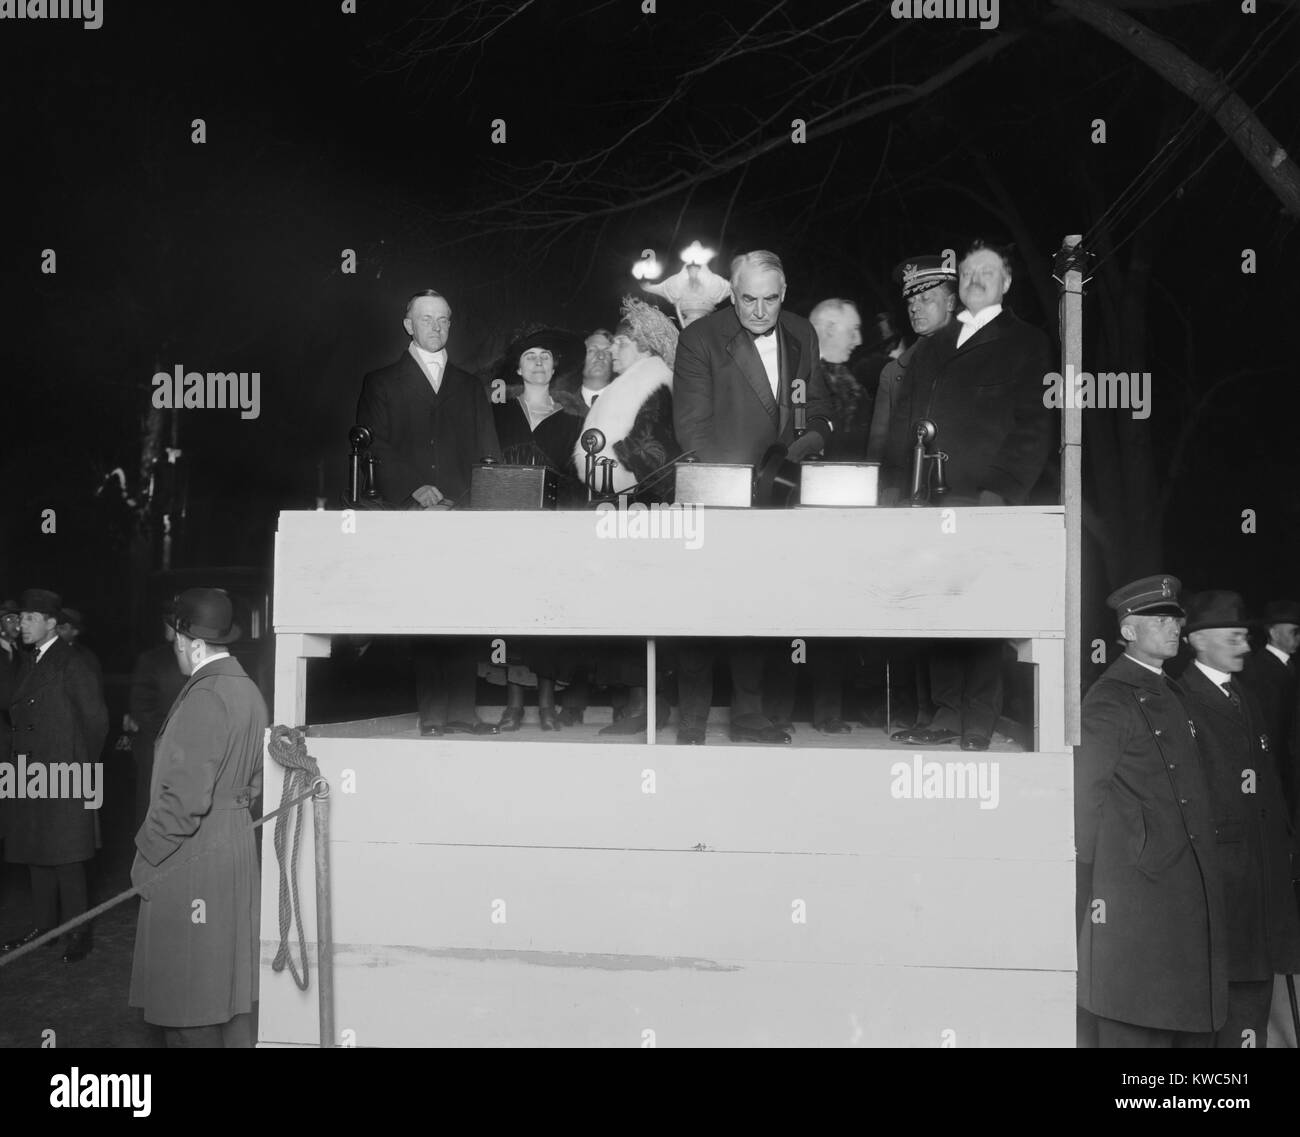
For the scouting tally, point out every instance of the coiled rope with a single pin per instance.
(302, 778)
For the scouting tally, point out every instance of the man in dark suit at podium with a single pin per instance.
(734, 395)
(431, 422)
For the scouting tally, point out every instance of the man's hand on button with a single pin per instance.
(804, 446)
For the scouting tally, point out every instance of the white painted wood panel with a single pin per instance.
(995, 573)
(411, 997)
(501, 792)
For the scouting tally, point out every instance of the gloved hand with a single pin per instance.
(805, 445)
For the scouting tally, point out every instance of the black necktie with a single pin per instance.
(1230, 689)
(593, 399)
(761, 335)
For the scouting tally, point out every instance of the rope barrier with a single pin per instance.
(288, 747)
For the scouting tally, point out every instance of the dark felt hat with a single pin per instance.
(9, 608)
(1216, 608)
(40, 600)
(1150, 596)
(73, 617)
(1281, 612)
(552, 341)
(206, 614)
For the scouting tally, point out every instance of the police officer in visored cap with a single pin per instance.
(1150, 904)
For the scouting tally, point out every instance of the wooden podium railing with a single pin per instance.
(498, 892)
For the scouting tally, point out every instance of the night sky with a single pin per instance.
(328, 131)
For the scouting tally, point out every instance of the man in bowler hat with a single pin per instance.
(197, 977)
(57, 714)
(1251, 828)
(1150, 905)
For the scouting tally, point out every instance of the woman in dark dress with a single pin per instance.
(534, 431)
(532, 428)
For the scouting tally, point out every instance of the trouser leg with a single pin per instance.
(828, 665)
(695, 659)
(193, 1037)
(780, 680)
(747, 661)
(45, 896)
(981, 701)
(1115, 1035)
(1247, 1021)
(445, 677)
(239, 1033)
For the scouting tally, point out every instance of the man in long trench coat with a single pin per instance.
(197, 944)
(1152, 938)
(1253, 834)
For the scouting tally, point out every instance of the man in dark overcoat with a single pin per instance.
(196, 943)
(980, 381)
(156, 680)
(431, 424)
(1150, 906)
(59, 722)
(734, 383)
(1270, 675)
(1252, 830)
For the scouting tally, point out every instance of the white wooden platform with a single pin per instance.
(494, 891)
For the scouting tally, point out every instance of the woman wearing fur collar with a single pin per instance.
(635, 412)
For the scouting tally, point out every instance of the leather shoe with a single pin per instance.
(78, 948)
(971, 741)
(629, 724)
(690, 736)
(470, 728)
(785, 725)
(833, 726)
(571, 716)
(431, 730)
(550, 718)
(927, 737)
(23, 941)
(772, 734)
(511, 719)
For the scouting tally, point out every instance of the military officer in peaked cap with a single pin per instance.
(1150, 906)
(1251, 829)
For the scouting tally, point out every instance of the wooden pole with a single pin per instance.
(324, 920)
(1071, 322)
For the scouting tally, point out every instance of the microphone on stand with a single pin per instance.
(592, 442)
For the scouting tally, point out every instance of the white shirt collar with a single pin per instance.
(40, 651)
(1277, 651)
(429, 357)
(972, 321)
(210, 659)
(1217, 677)
(590, 393)
(1140, 663)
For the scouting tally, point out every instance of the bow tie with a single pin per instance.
(761, 335)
